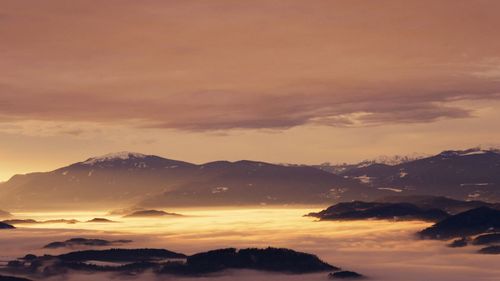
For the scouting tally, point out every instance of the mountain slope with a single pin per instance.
(123, 179)
(359, 210)
(467, 174)
(249, 182)
(449, 205)
(476, 221)
(132, 179)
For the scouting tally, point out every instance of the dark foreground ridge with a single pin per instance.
(359, 210)
(473, 222)
(160, 261)
(73, 242)
(270, 259)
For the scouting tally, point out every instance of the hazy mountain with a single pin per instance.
(132, 179)
(383, 159)
(124, 179)
(249, 182)
(468, 174)
(112, 179)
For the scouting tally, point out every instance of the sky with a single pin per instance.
(278, 81)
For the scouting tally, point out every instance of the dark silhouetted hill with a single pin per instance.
(358, 210)
(149, 213)
(473, 222)
(160, 261)
(12, 278)
(6, 226)
(84, 242)
(452, 206)
(486, 239)
(345, 275)
(121, 255)
(491, 250)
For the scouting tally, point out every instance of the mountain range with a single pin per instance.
(133, 179)
(124, 179)
(467, 174)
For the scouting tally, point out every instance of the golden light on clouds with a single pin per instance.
(294, 81)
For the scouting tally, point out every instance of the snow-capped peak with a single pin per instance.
(467, 152)
(392, 160)
(124, 155)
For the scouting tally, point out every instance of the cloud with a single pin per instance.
(198, 67)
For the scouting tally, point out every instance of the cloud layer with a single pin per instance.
(261, 64)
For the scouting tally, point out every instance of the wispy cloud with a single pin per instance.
(260, 65)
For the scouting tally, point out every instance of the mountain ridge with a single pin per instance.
(127, 179)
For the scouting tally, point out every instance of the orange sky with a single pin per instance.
(280, 81)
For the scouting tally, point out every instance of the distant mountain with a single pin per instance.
(111, 179)
(386, 160)
(137, 180)
(359, 210)
(473, 222)
(472, 174)
(126, 179)
(249, 182)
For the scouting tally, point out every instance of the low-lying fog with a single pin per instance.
(382, 250)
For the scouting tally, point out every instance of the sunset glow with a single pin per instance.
(294, 82)
(297, 140)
